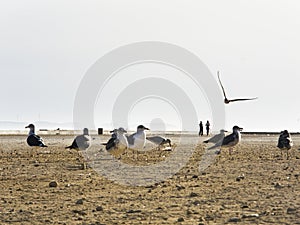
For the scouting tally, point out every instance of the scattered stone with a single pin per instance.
(291, 211)
(254, 215)
(53, 184)
(194, 176)
(241, 177)
(278, 185)
(180, 219)
(99, 208)
(179, 187)
(134, 211)
(79, 202)
(79, 212)
(234, 220)
(197, 202)
(193, 194)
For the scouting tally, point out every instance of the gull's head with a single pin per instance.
(121, 130)
(86, 131)
(237, 128)
(113, 131)
(142, 127)
(30, 126)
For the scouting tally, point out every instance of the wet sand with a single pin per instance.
(254, 185)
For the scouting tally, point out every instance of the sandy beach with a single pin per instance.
(254, 185)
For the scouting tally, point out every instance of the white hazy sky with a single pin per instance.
(47, 47)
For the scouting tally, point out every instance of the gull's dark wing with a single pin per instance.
(110, 144)
(221, 85)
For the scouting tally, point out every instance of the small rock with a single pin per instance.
(180, 219)
(194, 176)
(134, 211)
(53, 184)
(79, 212)
(79, 202)
(290, 210)
(278, 185)
(179, 187)
(99, 208)
(254, 215)
(234, 220)
(193, 194)
(197, 202)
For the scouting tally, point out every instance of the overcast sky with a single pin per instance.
(48, 46)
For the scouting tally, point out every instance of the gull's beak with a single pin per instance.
(146, 128)
(240, 128)
(27, 127)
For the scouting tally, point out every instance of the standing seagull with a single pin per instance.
(137, 140)
(160, 141)
(118, 143)
(285, 142)
(226, 100)
(230, 140)
(33, 139)
(81, 142)
(218, 137)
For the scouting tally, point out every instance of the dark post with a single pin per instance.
(100, 131)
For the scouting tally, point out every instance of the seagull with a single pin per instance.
(137, 140)
(230, 140)
(218, 137)
(285, 142)
(160, 141)
(81, 142)
(33, 139)
(226, 100)
(118, 143)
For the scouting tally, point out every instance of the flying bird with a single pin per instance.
(285, 142)
(33, 139)
(226, 100)
(137, 140)
(81, 142)
(230, 140)
(218, 137)
(160, 141)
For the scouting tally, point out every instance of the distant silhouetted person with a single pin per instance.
(285, 142)
(207, 125)
(201, 128)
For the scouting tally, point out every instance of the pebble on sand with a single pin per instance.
(234, 220)
(79, 202)
(53, 184)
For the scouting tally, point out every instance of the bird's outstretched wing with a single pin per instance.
(221, 85)
(241, 99)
